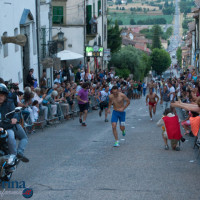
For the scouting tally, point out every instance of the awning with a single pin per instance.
(68, 55)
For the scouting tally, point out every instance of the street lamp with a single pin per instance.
(60, 36)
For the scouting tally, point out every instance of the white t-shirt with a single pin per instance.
(35, 112)
(104, 96)
(82, 76)
(178, 91)
(89, 77)
(171, 90)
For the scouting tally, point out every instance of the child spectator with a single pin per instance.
(35, 108)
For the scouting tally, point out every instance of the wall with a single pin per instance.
(10, 15)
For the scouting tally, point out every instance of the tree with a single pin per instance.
(114, 37)
(179, 56)
(131, 59)
(156, 43)
(160, 60)
(132, 22)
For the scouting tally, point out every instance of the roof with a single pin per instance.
(126, 41)
(197, 2)
(26, 17)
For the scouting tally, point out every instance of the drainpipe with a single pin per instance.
(37, 9)
(102, 13)
(84, 31)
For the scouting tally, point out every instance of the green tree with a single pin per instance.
(132, 22)
(114, 37)
(160, 60)
(179, 56)
(131, 59)
(156, 43)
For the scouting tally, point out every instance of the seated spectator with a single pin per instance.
(35, 107)
(38, 97)
(50, 102)
(195, 123)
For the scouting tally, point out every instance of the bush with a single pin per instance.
(132, 22)
(120, 22)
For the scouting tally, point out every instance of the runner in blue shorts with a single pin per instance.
(118, 99)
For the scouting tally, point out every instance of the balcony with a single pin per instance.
(91, 31)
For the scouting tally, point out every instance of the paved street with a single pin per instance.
(79, 163)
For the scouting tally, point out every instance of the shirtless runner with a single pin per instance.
(152, 102)
(117, 99)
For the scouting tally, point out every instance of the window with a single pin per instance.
(15, 34)
(105, 32)
(5, 46)
(99, 8)
(57, 15)
(88, 18)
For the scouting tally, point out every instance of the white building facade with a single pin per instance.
(73, 17)
(18, 17)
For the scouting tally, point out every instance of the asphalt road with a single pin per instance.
(175, 40)
(71, 162)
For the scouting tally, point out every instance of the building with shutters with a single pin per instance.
(74, 19)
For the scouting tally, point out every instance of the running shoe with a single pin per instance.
(80, 120)
(100, 113)
(177, 148)
(116, 144)
(84, 124)
(151, 119)
(106, 120)
(166, 147)
(123, 133)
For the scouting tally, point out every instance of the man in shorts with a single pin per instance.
(103, 99)
(83, 103)
(152, 102)
(117, 99)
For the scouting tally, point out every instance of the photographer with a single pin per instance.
(13, 129)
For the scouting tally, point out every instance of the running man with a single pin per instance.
(83, 103)
(103, 99)
(117, 99)
(152, 102)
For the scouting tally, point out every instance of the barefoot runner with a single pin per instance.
(152, 102)
(117, 99)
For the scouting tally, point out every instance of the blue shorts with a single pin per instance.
(135, 91)
(118, 115)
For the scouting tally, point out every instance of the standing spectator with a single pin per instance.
(71, 72)
(80, 66)
(43, 80)
(78, 75)
(82, 75)
(144, 86)
(30, 78)
(165, 99)
(57, 80)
